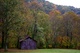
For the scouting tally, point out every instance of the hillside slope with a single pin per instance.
(46, 6)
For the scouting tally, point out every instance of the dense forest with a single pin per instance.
(51, 25)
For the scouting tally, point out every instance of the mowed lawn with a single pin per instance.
(44, 51)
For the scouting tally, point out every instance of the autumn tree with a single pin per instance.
(56, 20)
(69, 19)
(11, 15)
(35, 8)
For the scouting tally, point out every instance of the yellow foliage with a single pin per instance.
(50, 46)
(66, 41)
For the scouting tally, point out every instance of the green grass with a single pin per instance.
(46, 51)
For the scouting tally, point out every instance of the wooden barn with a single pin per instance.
(28, 43)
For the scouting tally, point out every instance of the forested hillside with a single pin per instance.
(46, 6)
(51, 25)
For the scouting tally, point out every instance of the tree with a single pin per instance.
(35, 8)
(69, 23)
(11, 15)
(56, 23)
(43, 23)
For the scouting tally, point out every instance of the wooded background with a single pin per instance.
(52, 26)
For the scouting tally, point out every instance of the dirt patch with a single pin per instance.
(11, 50)
(15, 50)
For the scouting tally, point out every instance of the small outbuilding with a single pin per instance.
(28, 43)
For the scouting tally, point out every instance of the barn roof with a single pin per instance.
(27, 38)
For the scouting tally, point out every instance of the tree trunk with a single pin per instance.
(35, 26)
(3, 34)
(18, 43)
(6, 37)
(6, 41)
(35, 30)
(2, 39)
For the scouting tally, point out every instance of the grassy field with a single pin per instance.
(44, 51)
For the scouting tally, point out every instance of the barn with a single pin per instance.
(28, 43)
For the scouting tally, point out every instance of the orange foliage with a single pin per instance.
(59, 39)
